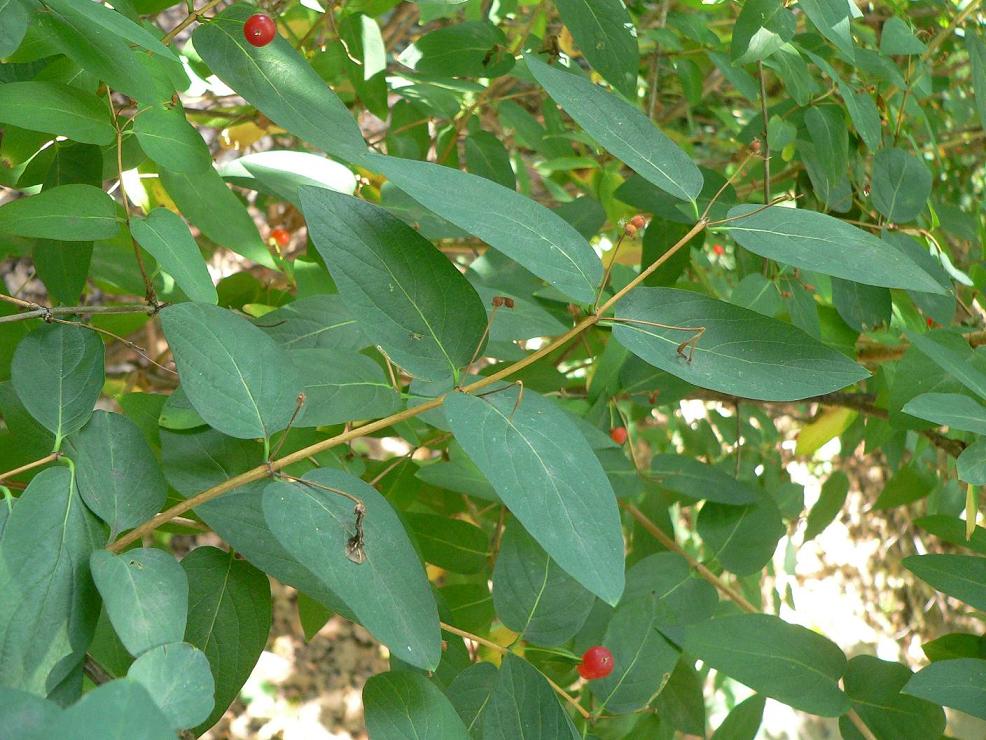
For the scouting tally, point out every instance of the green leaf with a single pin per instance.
(74, 213)
(113, 23)
(238, 379)
(604, 32)
(319, 321)
(408, 297)
(971, 464)
(177, 677)
(622, 130)
(961, 576)
(874, 686)
(282, 173)
(342, 387)
(15, 17)
(820, 243)
(954, 410)
(901, 185)
(388, 592)
(953, 355)
(118, 710)
(57, 372)
(467, 49)
(680, 598)
(26, 715)
(951, 529)
(49, 607)
(279, 82)
(523, 705)
(743, 723)
(897, 39)
(167, 238)
(960, 684)
(56, 108)
(117, 474)
(642, 659)
(229, 618)
(524, 231)
(487, 157)
(63, 267)
(762, 28)
(532, 595)
(784, 661)
(862, 307)
(832, 19)
(452, 544)
(145, 593)
(171, 141)
(829, 504)
(696, 480)
(739, 352)
(907, 485)
(977, 59)
(403, 704)
(544, 471)
(470, 693)
(205, 200)
(742, 538)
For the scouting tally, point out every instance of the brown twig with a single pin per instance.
(31, 465)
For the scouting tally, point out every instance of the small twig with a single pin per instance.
(31, 465)
(189, 20)
(766, 142)
(609, 270)
(299, 402)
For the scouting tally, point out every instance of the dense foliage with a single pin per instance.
(400, 300)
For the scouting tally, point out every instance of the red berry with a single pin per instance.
(718, 249)
(597, 662)
(618, 435)
(281, 236)
(259, 29)
(638, 221)
(630, 230)
(931, 322)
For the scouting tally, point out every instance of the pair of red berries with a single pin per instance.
(597, 662)
(259, 29)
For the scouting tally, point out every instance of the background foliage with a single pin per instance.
(367, 302)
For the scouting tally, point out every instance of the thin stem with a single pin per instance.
(31, 465)
(609, 270)
(766, 144)
(192, 17)
(43, 312)
(501, 649)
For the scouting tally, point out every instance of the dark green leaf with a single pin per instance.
(74, 213)
(408, 297)
(452, 544)
(169, 139)
(742, 538)
(388, 592)
(282, 173)
(954, 410)
(487, 157)
(622, 130)
(167, 238)
(820, 243)
(117, 474)
(63, 267)
(523, 706)
(523, 230)
(696, 480)
(238, 379)
(786, 662)
(532, 595)
(467, 49)
(340, 388)
(762, 28)
(470, 693)
(280, 82)
(402, 704)
(953, 355)
(874, 686)
(908, 484)
(977, 58)
(56, 108)
(604, 32)
(896, 38)
(743, 723)
(57, 372)
(49, 607)
(832, 19)
(680, 598)
(961, 576)
(544, 471)
(862, 307)
(681, 701)
(118, 710)
(177, 677)
(229, 618)
(15, 17)
(145, 593)
(829, 504)
(960, 684)
(319, 321)
(901, 185)
(971, 464)
(739, 351)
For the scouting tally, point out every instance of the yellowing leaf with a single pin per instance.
(829, 425)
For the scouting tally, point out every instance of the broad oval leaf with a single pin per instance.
(739, 351)
(167, 238)
(604, 32)
(49, 607)
(832, 19)
(526, 232)
(27, 715)
(406, 295)
(694, 479)
(901, 185)
(238, 379)
(15, 17)
(452, 544)
(874, 687)
(229, 618)
(404, 704)
(283, 172)
(532, 595)
(960, 684)
(470, 693)
(970, 466)
(742, 538)
(74, 213)
(961, 576)
(145, 593)
(784, 661)
(388, 592)
(56, 108)
(318, 321)
(177, 677)
(118, 710)
(169, 139)
(545, 472)
(523, 706)
(279, 82)
(117, 474)
(820, 243)
(342, 387)
(622, 130)
(57, 372)
(763, 26)
(955, 410)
